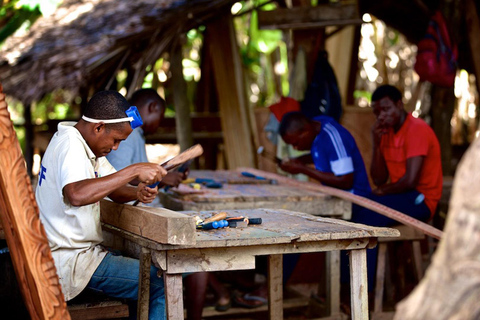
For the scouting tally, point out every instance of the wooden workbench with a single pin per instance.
(240, 192)
(282, 232)
(227, 176)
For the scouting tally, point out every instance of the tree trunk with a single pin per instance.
(451, 287)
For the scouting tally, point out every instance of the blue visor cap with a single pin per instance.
(135, 115)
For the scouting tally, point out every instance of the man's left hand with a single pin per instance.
(146, 194)
(174, 178)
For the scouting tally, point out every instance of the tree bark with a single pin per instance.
(451, 286)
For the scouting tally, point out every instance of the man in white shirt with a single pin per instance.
(74, 177)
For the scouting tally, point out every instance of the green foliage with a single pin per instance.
(21, 14)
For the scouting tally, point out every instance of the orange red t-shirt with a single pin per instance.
(415, 138)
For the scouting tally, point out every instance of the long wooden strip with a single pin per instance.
(362, 201)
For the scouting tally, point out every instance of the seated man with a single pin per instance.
(406, 165)
(74, 177)
(334, 153)
(132, 150)
(152, 110)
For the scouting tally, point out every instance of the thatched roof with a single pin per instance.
(84, 43)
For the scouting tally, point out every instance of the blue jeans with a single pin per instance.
(117, 276)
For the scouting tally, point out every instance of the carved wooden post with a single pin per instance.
(26, 238)
(451, 286)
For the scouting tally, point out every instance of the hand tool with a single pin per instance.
(361, 201)
(216, 217)
(187, 155)
(248, 220)
(249, 175)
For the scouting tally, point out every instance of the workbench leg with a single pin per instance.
(144, 284)
(174, 296)
(333, 282)
(359, 284)
(275, 286)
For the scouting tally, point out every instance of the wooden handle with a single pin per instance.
(217, 217)
(186, 155)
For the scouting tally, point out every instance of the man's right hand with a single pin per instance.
(378, 130)
(149, 173)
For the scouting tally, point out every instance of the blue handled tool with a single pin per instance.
(251, 175)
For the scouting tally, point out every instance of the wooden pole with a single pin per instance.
(473, 29)
(183, 126)
(228, 72)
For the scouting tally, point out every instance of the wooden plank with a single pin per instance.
(144, 284)
(229, 82)
(243, 196)
(358, 284)
(226, 176)
(173, 296)
(333, 282)
(305, 17)
(275, 286)
(158, 224)
(362, 201)
(103, 310)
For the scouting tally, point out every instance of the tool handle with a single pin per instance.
(209, 225)
(254, 220)
(217, 217)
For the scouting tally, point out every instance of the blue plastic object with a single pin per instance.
(137, 119)
(154, 185)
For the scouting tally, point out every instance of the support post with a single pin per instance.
(183, 123)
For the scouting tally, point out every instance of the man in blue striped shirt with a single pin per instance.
(333, 151)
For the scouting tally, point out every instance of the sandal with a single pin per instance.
(249, 301)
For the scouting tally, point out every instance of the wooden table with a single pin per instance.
(240, 192)
(282, 232)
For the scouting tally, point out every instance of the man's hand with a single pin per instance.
(146, 194)
(378, 130)
(149, 173)
(292, 166)
(174, 178)
(378, 191)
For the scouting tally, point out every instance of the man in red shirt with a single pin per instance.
(406, 165)
(406, 168)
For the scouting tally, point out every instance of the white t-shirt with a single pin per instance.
(74, 233)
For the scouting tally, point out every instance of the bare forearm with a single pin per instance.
(344, 182)
(378, 168)
(92, 190)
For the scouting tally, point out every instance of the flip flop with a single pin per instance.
(249, 297)
(223, 307)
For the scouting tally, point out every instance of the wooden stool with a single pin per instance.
(406, 234)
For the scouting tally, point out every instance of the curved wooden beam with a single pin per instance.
(25, 235)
